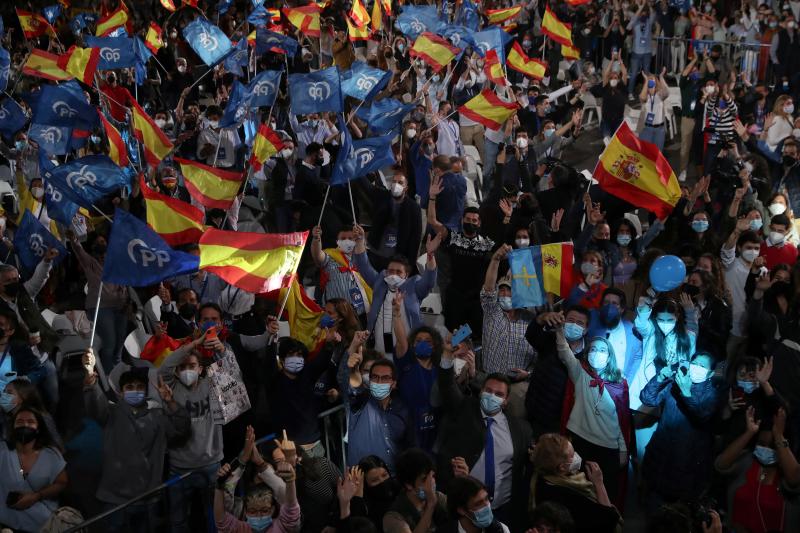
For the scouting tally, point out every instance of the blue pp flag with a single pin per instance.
(32, 240)
(12, 117)
(264, 88)
(238, 106)
(59, 207)
(208, 41)
(59, 105)
(467, 15)
(223, 6)
(417, 19)
(51, 13)
(492, 38)
(460, 36)
(52, 140)
(363, 81)
(138, 257)
(385, 115)
(115, 52)
(78, 24)
(5, 68)
(87, 180)
(237, 59)
(527, 288)
(316, 92)
(259, 16)
(270, 41)
(345, 166)
(372, 154)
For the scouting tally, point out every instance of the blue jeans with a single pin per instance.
(654, 135)
(112, 326)
(201, 482)
(489, 160)
(639, 62)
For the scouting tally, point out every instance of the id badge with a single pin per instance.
(220, 153)
(649, 119)
(357, 300)
(643, 42)
(391, 240)
(691, 106)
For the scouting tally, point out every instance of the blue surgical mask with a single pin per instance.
(294, 364)
(764, 455)
(380, 391)
(491, 404)
(651, 84)
(573, 331)
(133, 397)
(327, 321)
(423, 349)
(505, 303)
(548, 132)
(700, 225)
(20, 145)
(483, 517)
(623, 240)
(95, 139)
(7, 402)
(259, 523)
(747, 386)
(313, 123)
(756, 224)
(609, 314)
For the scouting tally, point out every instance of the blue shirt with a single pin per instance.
(642, 33)
(450, 202)
(415, 383)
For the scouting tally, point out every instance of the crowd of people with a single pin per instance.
(613, 407)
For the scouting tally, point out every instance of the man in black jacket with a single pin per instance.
(183, 323)
(466, 443)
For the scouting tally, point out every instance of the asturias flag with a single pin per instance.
(538, 270)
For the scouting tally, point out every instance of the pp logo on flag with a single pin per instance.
(364, 156)
(366, 83)
(208, 41)
(54, 194)
(81, 178)
(265, 88)
(455, 38)
(36, 242)
(484, 46)
(417, 26)
(51, 135)
(148, 256)
(63, 110)
(320, 90)
(110, 54)
(240, 113)
(3, 112)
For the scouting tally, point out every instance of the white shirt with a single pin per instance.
(619, 341)
(226, 139)
(449, 141)
(736, 272)
(505, 528)
(503, 460)
(383, 324)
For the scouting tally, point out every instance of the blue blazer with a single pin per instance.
(414, 289)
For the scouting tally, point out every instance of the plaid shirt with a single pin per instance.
(504, 343)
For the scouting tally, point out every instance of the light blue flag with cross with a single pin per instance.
(526, 277)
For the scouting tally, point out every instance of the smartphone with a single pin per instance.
(461, 335)
(211, 332)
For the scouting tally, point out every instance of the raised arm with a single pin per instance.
(490, 279)
(316, 246)
(435, 188)
(399, 326)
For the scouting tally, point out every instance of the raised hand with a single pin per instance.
(435, 187)
(506, 207)
(164, 390)
(460, 467)
(555, 220)
(163, 293)
(288, 448)
(735, 403)
(397, 303)
(432, 244)
(764, 371)
(593, 472)
(753, 425)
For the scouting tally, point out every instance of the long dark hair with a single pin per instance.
(436, 340)
(348, 321)
(668, 305)
(44, 439)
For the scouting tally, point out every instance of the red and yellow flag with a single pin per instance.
(494, 69)
(169, 5)
(434, 50)
(64, 3)
(637, 172)
(557, 269)
(156, 144)
(153, 40)
(175, 221)
(570, 52)
(80, 63)
(116, 146)
(303, 315)
(190, 3)
(212, 187)
(387, 7)
(576, 3)
(520, 62)
(44, 65)
(159, 347)
(305, 18)
(255, 262)
(358, 13)
(33, 24)
(354, 33)
(488, 109)
(266, 144)
(377, 16)
(111, 22)
(560, 32)
(498, 16)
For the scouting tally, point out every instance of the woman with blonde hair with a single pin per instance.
(779, 123)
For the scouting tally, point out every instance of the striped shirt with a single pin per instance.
(719, 121)
(504, 343)
(340, 283)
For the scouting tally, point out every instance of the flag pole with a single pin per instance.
(352, 205)
(96, 312)
(324, 202)
(216, 152)
(289, 287)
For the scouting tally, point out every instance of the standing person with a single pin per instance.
(653, 98)
(689, 84)
(737, 269)
(468, 503)
(641, 24)
(216, 147)
(338, 277)
(612, 91)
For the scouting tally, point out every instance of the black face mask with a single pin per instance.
(470, 229)
(691, 290)
(25, 434)
(780, 288)
(788, 160)
(12, 289)
(187, 311)
(385, 491)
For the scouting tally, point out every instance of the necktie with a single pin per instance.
(488, 458)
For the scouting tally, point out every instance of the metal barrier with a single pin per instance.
(335, 418)
(752, 59)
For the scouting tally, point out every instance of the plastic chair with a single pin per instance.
(591, 108)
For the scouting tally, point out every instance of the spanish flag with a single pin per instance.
(494, 69)
(354, 33)
(303, 315)
(559, 31)
(576, 3)
(533, 68)
(255, 262)
(387, 7)
(175, 221)
(212, 187)
(498, 16)
(637, 172)
(190, 3)
(570, 52)
(305, 18)
(111, 22)
(169, 5)
(33, 24)
(64, 3)
(434, 50)
(153, 39)
(44, 65)
(80, 63)
(359, 14)
(116, 146)
(156, 144)
(274, 15)
(159, 347)
(488, 109)
(266, 144)
(557, 269)
(377, 17)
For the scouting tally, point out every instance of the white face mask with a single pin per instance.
(597, 359)
(788, 109)
(750, 255)
(575, 465)
(777, 209)
(2, 222)
(393, 281)
(397, 190)
(37, 192)
(213, 124)
(588, 268)
(286, 153)
(613, 82)
(522, 143)
(522, 243)
(776, 237)
(346, 245)
(160, 122)
(411, 133)
(709, 90)
(796, 133)
(697, 373)
(458, 365)
(188, 377)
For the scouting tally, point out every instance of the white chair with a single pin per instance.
(591, 108)
(669, 122)
(432, 303)
(135, 341)
(632, 117)
(152, 309)
(5, 174)
(48, 316)
(471, 150)
(674, 98)
(472, 196)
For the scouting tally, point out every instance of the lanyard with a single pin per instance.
(203, 291)
(5, 353)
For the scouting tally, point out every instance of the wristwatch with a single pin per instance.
(783, 443)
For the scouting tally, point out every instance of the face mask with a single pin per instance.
(522, 143)
(26, 434)
(588, 268)
(788, 160)
(458, 365)
(747, 386)
(436, 78)
(765, 456)
(707, 8)
(590, 71)
(491, 404)
(613, 82)
(133, 397)
(411, 134)
(697, 373)
(777, 209)
(776, 237)
(417, 116)
(421, 491)
(380, 391)
(597, 359)
(95, 139)
(750, 255)
(651, 84)
(666, 323)
(469, 228)
(187, 311)
(397, 190)
(294, 364)
(7, 402)
(12, 289)
(575, 465)
(393, 281)
(181, 68)
(623, 240)
(313, 123)
(160, 122)
(346, 245)
(610, 315)
(526, 43)
(573, 331)
(37, 192)
(401, 47)
(2, 222)
(756, 224)
(788, 109)
(213, 123)
(259, 523)
(423, 349)
(188, 377)
(428, 149)
(522, 243)
(709, 90)
(286, 153)
(20, 145)
(505, 303)
(700, 225)
(790, 25)
(549, 132)
(483, 517)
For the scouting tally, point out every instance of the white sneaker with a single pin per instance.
(682, 176)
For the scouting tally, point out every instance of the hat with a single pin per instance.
(505, 280)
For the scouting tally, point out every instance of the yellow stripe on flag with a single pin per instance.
(359, 14)
(559, 31)
(497, 16)
(434, 50)
(303, 315)
(266, 144)
(377, 17)
(570, 52)
(354, 33)
(305, 18)
(111, 22)
(520, 62)
(488, 109)
(44, 65)
(212, 187)
(175, 221)
(80, 63)
(156, 144)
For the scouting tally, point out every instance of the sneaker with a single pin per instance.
(631, 98)
(682, 176)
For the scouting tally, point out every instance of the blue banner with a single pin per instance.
(51, 13)
(372, 155)
(316, 92)
(417, 19)
(52, 140)
(492, 38)
(59, 208)
(87, 180)
(5, 68)
(12, 117)
(259, 16)
(264, 88)
(344, 168)
(460, 36)
(115, 52)
(267, 41)
(58, 105)
(208, 41)
(363, 81)
(238, 58)
(385, 115)
(526, 277)
(238, 107)
(32, 241)
(467, 15)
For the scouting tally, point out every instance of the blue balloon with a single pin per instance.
(667, 273)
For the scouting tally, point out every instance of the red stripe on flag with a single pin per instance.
(253, 241)
(249, 282)
(649, 150)
(630, 193)
(218, 172)
(207, 201)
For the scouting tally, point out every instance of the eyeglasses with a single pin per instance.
(381, 379)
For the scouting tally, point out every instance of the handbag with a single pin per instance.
(228, 394)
